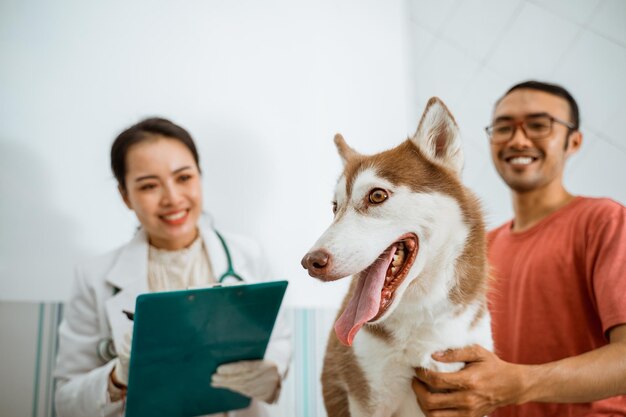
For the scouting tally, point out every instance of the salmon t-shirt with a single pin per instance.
(557, 289)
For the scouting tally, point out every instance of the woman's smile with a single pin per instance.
(175, 218)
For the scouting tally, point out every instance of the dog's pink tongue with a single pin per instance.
(364, 304)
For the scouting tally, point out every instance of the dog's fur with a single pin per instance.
(441, 301)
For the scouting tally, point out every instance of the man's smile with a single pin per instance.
(517, 159)
(521, 160)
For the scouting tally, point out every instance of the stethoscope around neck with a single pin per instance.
(106, 350)
(230, 271)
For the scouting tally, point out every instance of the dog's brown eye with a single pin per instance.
(334, 207)
(378, 195)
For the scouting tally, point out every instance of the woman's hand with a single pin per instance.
(256, 379)
(122, 362)
(486, 383)
(118, 378)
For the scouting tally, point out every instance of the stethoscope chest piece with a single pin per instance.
(106, 349)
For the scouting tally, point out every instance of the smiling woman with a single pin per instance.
(157, 168)
(159, 179)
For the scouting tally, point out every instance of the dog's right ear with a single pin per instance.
(345, 151)
(438, 136)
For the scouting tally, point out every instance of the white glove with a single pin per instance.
(122, 361)
(256, 379)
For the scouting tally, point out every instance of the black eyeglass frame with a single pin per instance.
(520, 124)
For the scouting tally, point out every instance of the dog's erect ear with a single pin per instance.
(345, 151)
(438, 137)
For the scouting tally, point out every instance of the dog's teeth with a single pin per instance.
(394, 269)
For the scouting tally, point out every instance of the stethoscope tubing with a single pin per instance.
(230, 271)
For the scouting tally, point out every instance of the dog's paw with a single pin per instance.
(436, 366)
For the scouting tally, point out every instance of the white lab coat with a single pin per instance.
(94, 313)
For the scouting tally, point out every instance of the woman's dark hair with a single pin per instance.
(146, 130)
(553, 89)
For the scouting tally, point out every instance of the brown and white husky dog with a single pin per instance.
(412, 237)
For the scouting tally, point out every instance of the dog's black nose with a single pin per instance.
(316, 262)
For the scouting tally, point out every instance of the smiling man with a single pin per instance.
(558, 296)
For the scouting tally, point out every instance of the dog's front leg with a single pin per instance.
(409, 407)
(359, 409)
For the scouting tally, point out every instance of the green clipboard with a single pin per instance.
(181, 337)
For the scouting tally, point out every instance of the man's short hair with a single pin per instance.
(553, 89)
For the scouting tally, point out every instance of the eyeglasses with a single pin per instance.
(534, 127)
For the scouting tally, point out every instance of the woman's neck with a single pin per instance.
(174, 244)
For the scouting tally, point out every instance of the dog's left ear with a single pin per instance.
(438, 136)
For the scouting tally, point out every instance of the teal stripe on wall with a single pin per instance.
(52, 317)
(302, 364)
(48, 321)
(38, 359)
(311, 330)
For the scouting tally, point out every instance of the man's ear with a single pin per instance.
(438, 137)
(574, 142)
(124, 195)
(345, 151)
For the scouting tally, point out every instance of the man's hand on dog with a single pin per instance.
(486, 383)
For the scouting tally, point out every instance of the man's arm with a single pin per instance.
(487, 383)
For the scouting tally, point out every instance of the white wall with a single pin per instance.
(470, 52)
(262, 86)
